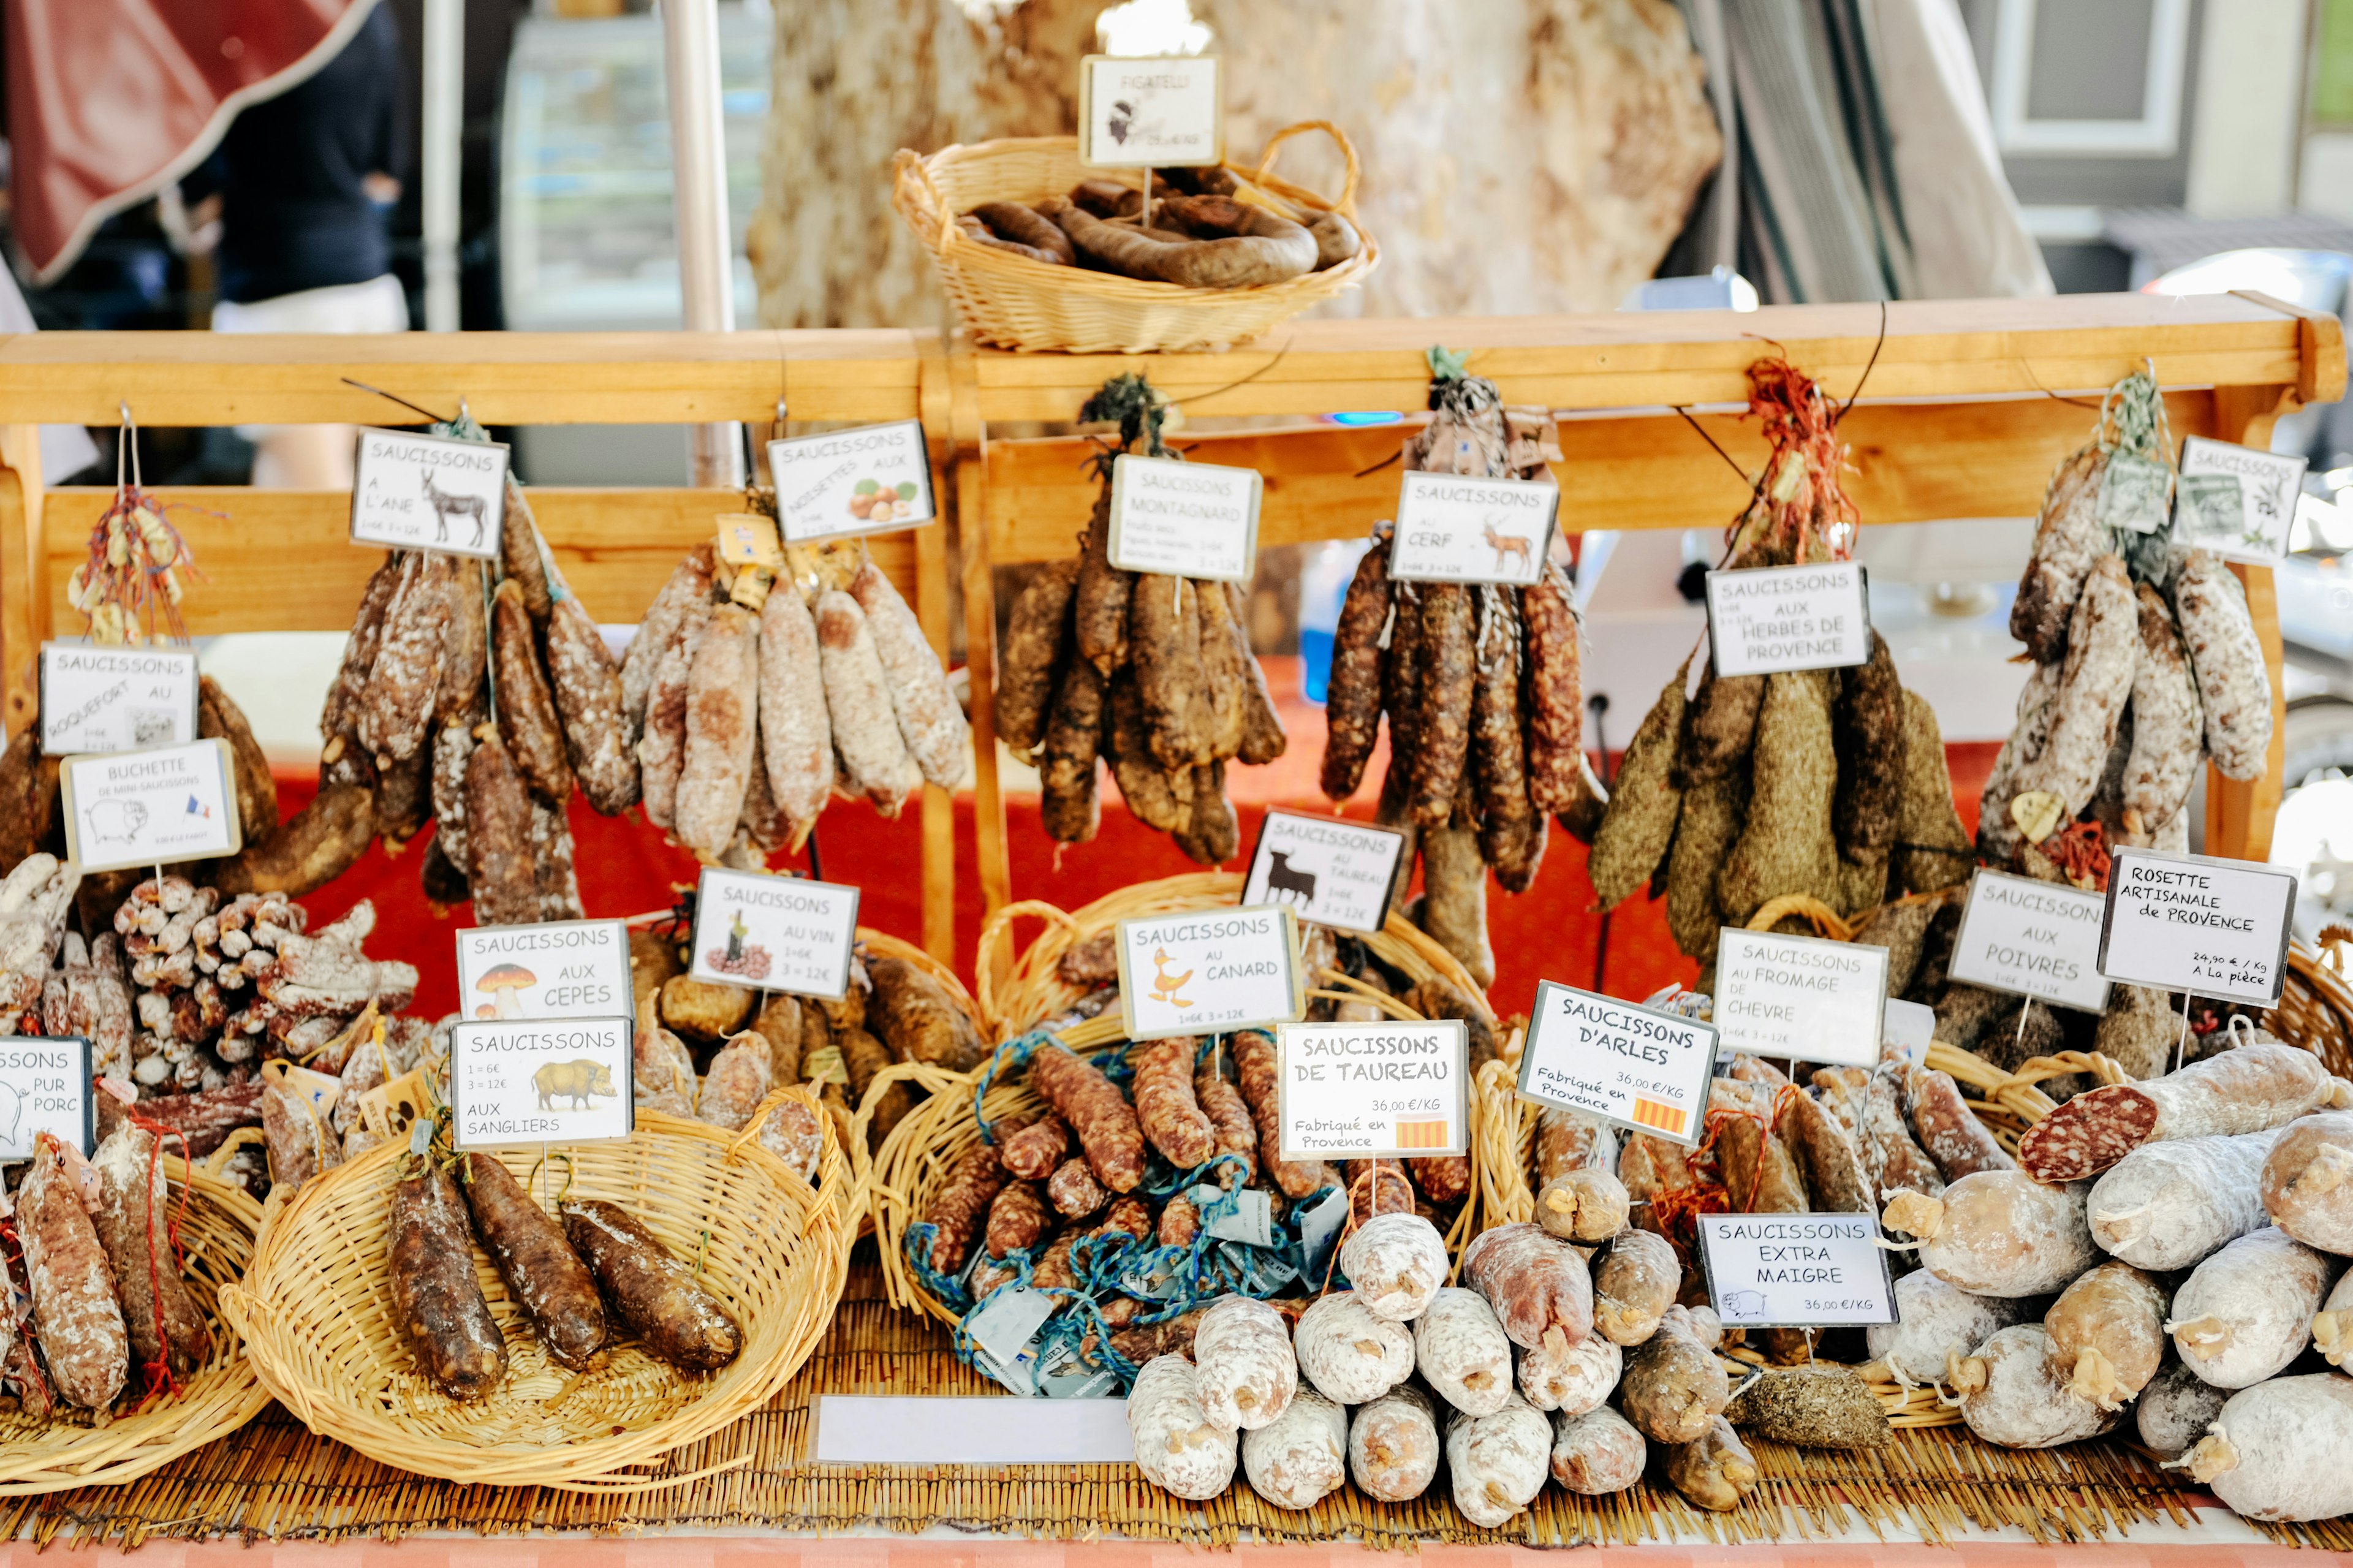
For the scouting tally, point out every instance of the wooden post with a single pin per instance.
(932, 598)
(2240, 812)
(24, 574)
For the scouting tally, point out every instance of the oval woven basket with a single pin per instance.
(883, 944)
(217, 1238)
(1012, 302)
(2316, 1005)
(317, 1313)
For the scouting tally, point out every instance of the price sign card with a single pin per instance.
(1643, 1069)
(1451, 528)
(1778, 618)
(1188, 519)
(564, 969)
(1373, 1091)
(549, 1081)
(1333, 872)
(1208, 972)
(115, 698)
(2033, 938)
(777, 933)
(1796, 1271)
(2192, 922)
(1791, 996)
(429, 492)
(869, 481)
(1139, 113)
(142, 808)
(2236, 501)
(44, 1088)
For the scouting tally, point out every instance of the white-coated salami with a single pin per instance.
(796, 734)
(2277, 1451)
(689, 584)
(1597, 1452)
(2097, 676)
(1673, 1384)
(930, 721)
(1585, 1203)
(2227, 657)
(76, 1314)
(1936, 1324)
(723, 698)
(2038, 705)
(2109, 1329)
(1536, 1283)
(1249, 1375)
(2000, 1233)
(2252, 1089)
(2170, 1205)
(2168, 724)
(1348, 1353)
(1301, 1457)
(2307, 1182)
(661, 739)
(1498, 1460)
(2014, 1393)
(1635, 1280)
(2332, 1326)
(866, 736)
(1177, 1447)
(2246, 1312)
(1396, 1263)
(1571, 1378)
(1464, 1353)
(1394, 1447)
(2174, 1411)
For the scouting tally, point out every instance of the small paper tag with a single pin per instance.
(1770, 619)
(1796, 1271)
(390, 1109)
(2198, 923)
(1647, 1071)
(873, 480)
(1319, 1227)
(1145, 111)
(45, 1087)
(777, 933)
(1002, 1326)
(1188, 519)
(747, 539)
(1063, 1375)
(97, 698)
(564, 969)
(1911, 1029)
(2136, 493)
(320, 1091)
(2032, 937)
(561, 1082)
(2249, 517)
(824, 1065)
(1384, 1090)
(429, 492)
(1791, 996)
(1251, 1223)
(1454, 528)
(1208, 972)
(1332, 872)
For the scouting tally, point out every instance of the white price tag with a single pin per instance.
(1137, 112)
(2192, 922)
(1010, 1319)
(2245, 520)
(1333, 872)
(1451, 528)
(144, 808)
(98, 699)
(558, 1081)
(1251, 1223)
(1779, 618)
(1208, 972)
(45, 1087)
(1373, 1091)
(1911, 1029)
(429, 492)
(776, 933)
(565, 969)
(1637, 1067)
(1798, 996)
(1188, 519)
(1796, 1271)
(2033, 938)
(875, 479)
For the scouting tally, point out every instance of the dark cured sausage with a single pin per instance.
(1449, 671)
(1352, 702)
(436, 1298)
(651, 1290)
(539, 1266)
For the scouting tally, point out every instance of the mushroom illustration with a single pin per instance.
(503, 982)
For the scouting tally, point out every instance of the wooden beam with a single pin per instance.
(25, 605)
(2239, 812)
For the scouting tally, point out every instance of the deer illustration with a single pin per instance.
(446, 506)
(1166, 985)
(1505, 545)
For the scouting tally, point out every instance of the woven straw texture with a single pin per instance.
(216, 1230)
(316, 1310)
(1012, 302)
(2315, 1007)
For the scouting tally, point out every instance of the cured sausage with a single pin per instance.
(1511, 830)
(76, 1314)
(1249, 1372)
(2307, 1182)
(689, 585)
(2246, 1312)
(1571, 1378)
(960, 1208)
(1264, 739)
(2038, 705)
(2253, 1089)
(1066, 773)
(1177, 1447)
(1935, 1323)
(2068, 538)
(2109, 1329)
(164, 1325)
(1165, 652)
(796, 730)
(1224, 682)
(1035, 1151)
(2014, 1393)
(526, 711)
(1715, 1471)
(1949, 1131)
(2276, 1452)
(1817, 1406)
(930, 721)
(1349, 1353)
(396, 703)
(499, 866)
(2171, 1206)
(1871, 740)
(2103, 650)
(1643, 803)
(2173, 1412)
(1827, 1157)
(436, 1298)
(1536, 1283)
(1499, 1459)
(1597, 1453)
(586, 688)
(1673, 1386)
(1094, 1107)
(866, 735)
(1999, 1233)
(1301, 1457)
(1164, 1104)
(1037, 645)
(342, 707)
(1099, 609)
(541, 1270)
(1393, 1445)
(2227, 657)
(1352, 701)
(1397, 1262)
(653, 1293)
(2168, 724)
(1256, 1069)
(723, 702)
(1448, 672)
(661, 743)
(1633, 1285)
(1555, 694)
(1583, 1204)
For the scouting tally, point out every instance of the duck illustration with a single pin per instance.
(1166, 985)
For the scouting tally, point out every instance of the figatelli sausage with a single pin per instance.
(539, 1266)
(436, 1298)
(526, 712)
(1352, 707)
(77, 1316)
(654, 1293)
(2251, 1089)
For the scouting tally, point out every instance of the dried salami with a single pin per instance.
(930, 721)
(2168, 724)
(722, 704)
(1554, 694)
(1037, 645)
(1441, 740)
(2227, 657)
(2253, 1089)
(866, 735)
(585, 685)
(796, 730)
(1352, 703)
(689, 585)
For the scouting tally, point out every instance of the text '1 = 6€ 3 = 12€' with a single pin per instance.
(1638, 1067)
(558, 1080)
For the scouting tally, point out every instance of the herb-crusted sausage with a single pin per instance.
(652, 1292)
(436, 1298)
(539, 1267)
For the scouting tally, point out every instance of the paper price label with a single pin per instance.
(44, 1088)
(2246, 521)
(1637, 1067)
(1792, 996)
(1138, 112)
(1332, 872)
(429, 492)
(2191, 922)
(115, 698)
(1451, 528)
(875, 479)
(747, 539)
(1796, 1271)
(558, 1081)
(2033, 938)
(1779, 618)
(775, 933)
(1208, 972)
(143, 808)
(1373, 1091)
(1188, 519)
(564, 969)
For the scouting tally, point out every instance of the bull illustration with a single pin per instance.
(574, 1081)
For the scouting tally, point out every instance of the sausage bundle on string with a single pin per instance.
(1206, 232)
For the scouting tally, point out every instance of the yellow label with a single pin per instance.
(824, 1065)
(388, 1109)
(747, 539)
(2037, 812)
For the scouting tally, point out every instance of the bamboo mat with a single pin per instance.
(273, 1480)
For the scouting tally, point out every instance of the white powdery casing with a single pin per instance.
(1393, 1445)
(1570, 1379)
(1499, 1459)
(2171, 1205)
(1597, 1453)
(1248, 1371)
(930, 721)
(796, 734)
(2024, 1401)
(1462, 1352)
(1396, 1263)
(2246, 1312)
(2174, 1411)
(2278, 1451)
(2227, 657)
(1934, 1321)
(2307, 1182)
(1176, 1447)
(1348, 1353)
(2103, 649)
(2169, 726)
(858, 701)
(2332, 1328)
(723, 710)
(689, 584)
(2005, 1234)
(1302, 1456)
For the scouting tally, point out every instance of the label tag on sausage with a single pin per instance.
(564, 969)
(1331, 871)
(874, 479)
(1452, 528)
(2192, 922)
(556, 1081)
(1251, 1223)
(429, 492)
(98, 699)
(1636, 1066)
(774, 933)
(1773, 619)
(1319, 1232)
(1187, 520)
(1145, 111)
(1792, 996)
(1002, 1326)
(44, 1088)
(747, 539)
(1208, 972)
(390, 1109)
(1388, 1091)
(2033, 939)
(2236, 501)
(2135, 492)
(142, 808)
(1796, 1271)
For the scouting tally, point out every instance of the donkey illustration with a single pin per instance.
(446, 506)
(1505, 545)
(1280, 879)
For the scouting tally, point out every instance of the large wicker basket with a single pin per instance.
(316, 1312)
(1012, 302)
(2316, 1005)
(217, 1236)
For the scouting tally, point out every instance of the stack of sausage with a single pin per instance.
(1206, 232)
(1482, 688)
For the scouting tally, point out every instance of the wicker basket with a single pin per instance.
(2316, 1005)
(316, 1310)
(216, 1232)
(1012, 302)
